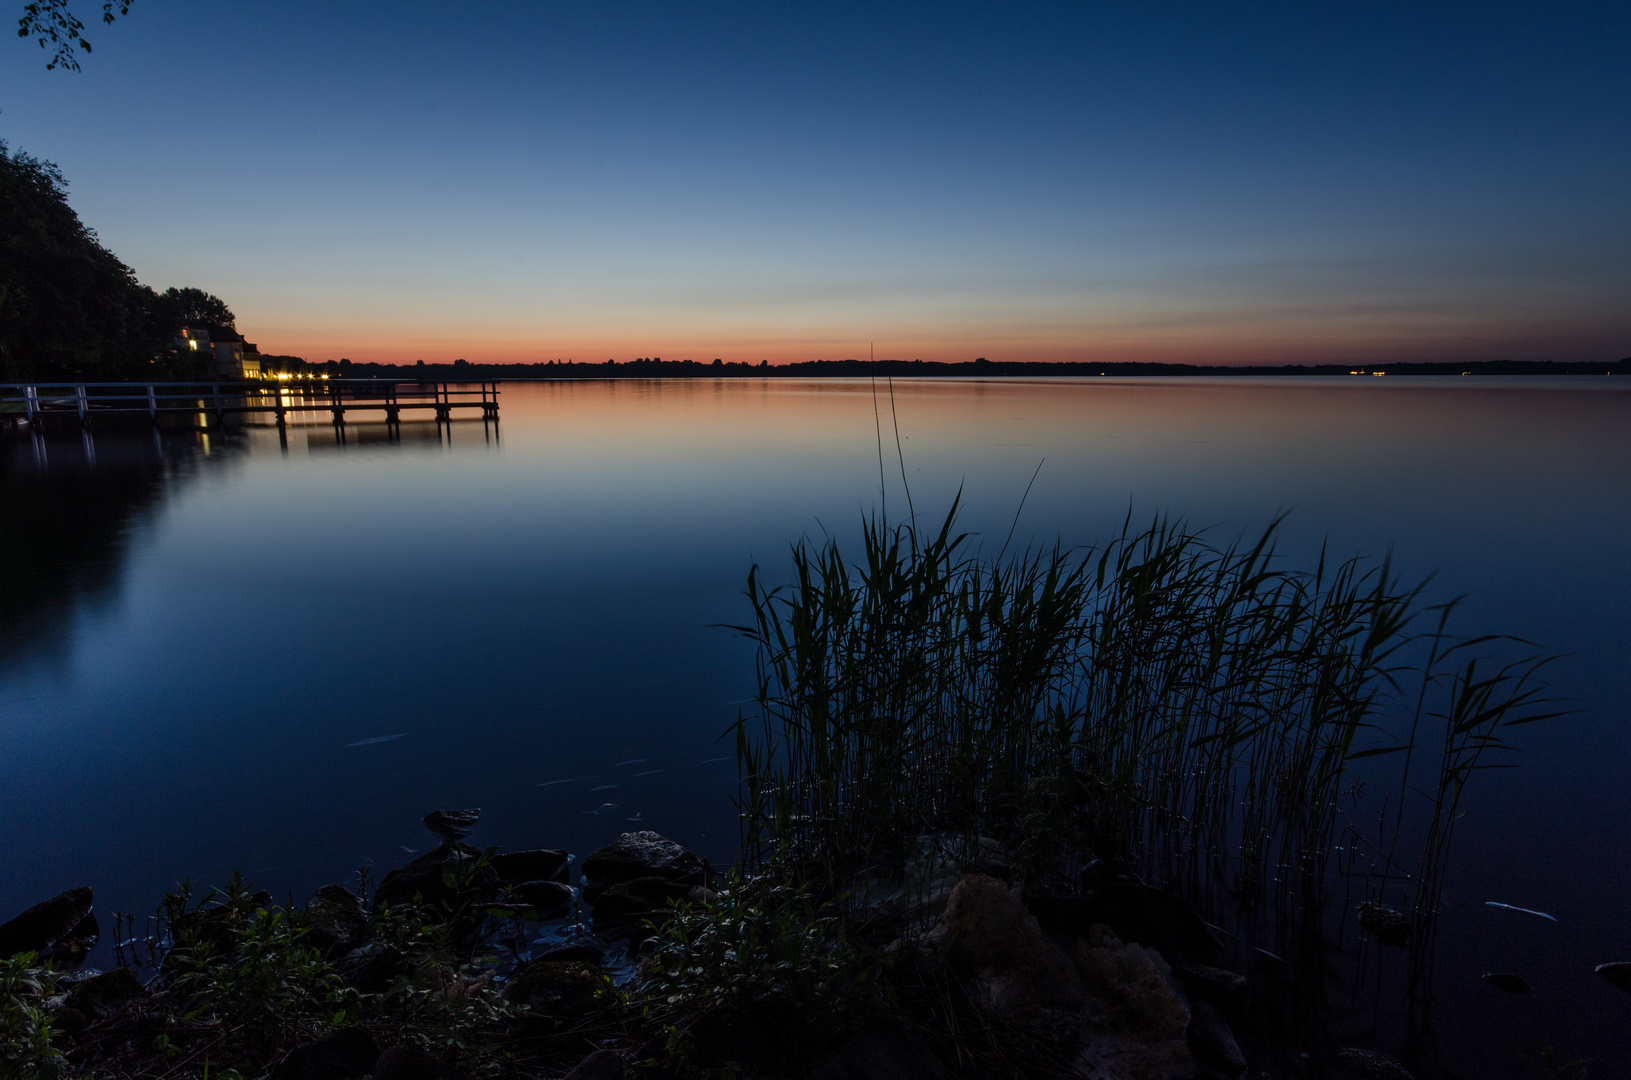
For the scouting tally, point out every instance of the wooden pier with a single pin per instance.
(37, 403)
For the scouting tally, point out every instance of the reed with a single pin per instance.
(1160, 706)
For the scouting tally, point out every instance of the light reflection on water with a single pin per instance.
(234, 651)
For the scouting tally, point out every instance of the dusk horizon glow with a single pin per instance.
(1184, 184)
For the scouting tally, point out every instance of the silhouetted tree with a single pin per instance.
(55, 27)
(195, 307)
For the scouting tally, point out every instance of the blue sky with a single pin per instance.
(1202, 182)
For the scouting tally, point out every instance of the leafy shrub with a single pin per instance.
(26, 1052)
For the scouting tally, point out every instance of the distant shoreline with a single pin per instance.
(461, 370)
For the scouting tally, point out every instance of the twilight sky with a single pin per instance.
(1208, 182)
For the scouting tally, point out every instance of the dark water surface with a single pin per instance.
(218, 652)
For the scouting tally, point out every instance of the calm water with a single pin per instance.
(222, 652)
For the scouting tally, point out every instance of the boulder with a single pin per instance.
(1216, 986)
(628, 903)
(538, 900)
(1136, 913)
(337, 920)
(69, 1021)
(1617, 973)
(551, 988)
(1212, 1040)
(539, 864)
(987, 933)
(348, 1054)
(426, 878)
(600, 1065)
(638, 855)
(885, 1050)
(452, 824)
(1386, 925)
(412, 1063)
(1510, 981)
(46, 923)
(105, 993)
(1134, 1026)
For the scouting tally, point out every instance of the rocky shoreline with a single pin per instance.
(503, 967)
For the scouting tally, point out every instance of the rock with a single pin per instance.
(345, 1055)
(452, 824)
(1370, 1065)
(538, 900)
(426, 878)
(412, 1063)
(600, 1065)
(1216, 986)
(1128, 988)
(1511, 982)
(372, 969)
(105, 993)
(1390, 927)
(540, 864)
(638, 855)
(70, 1021)
(1618, 973)
(337, 919)
(886, 1050)
(986, 932)
(36, 929)
(1135, 913)
(1212, 1041)
(554, 989)
(628, 903)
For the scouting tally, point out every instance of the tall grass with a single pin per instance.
(1163, 706)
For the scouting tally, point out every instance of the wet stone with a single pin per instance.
(639, 855)
(1212, 1041)
(36, 929)
(1225, 989)
(1509, 981)
(338, 921)
(1618, 973)
(1390, 927)
(538, 900)
(538, 864)
(452, 824)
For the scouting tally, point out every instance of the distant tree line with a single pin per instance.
(657, 368)
(68, 307)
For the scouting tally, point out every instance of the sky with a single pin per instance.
(1205, 183)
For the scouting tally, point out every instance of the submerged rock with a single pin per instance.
(337, 920)
(1618, 973)
(639, 855)
(452, 824)
(46, 923)
(1509, 981)
(348, 1054)
(538, 864)
(1390, 927)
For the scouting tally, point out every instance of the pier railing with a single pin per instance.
(86, 401)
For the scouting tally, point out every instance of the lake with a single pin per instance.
(225, 651)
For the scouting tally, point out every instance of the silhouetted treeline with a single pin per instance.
(668, 369)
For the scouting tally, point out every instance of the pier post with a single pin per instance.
(31, 403)
(79, 396)
(152, 405)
